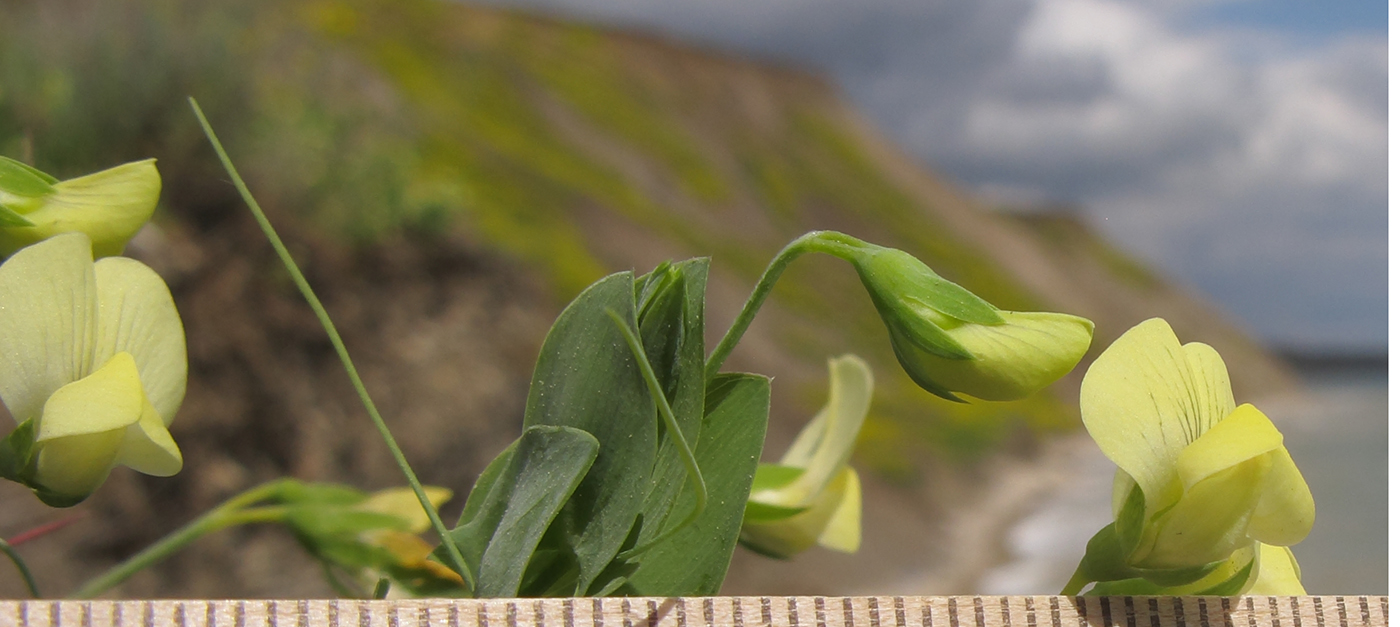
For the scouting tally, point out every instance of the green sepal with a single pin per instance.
(17, 454)
(22, 180)
(9, 218)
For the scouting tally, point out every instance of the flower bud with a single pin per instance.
(109, 206)
(950, 341)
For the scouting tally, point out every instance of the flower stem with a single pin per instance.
(459, 564)
(23, 569)
(829, 242)
(232, 512)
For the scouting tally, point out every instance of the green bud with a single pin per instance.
(108, 206)
(950, 341)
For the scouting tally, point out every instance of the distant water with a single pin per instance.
(1336, 433)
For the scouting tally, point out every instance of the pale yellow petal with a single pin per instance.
(137, 315)
(1208, 523)
(83, 426)
(1286, 510)
(1146, 398)
(852, 387)
(148, 448)
(1277, 573)
(48, 322)
(842, 532)
(403, 502)
(1013, 360)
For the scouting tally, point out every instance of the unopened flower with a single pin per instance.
(109, 206)
(93, 371)
(1202, 482)
(812, 495)
(951, 342)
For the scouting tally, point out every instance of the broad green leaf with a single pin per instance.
(586, 378)
(1146, 398)
(476, 499)
(672, 325)
(548, 465)
(694, 561)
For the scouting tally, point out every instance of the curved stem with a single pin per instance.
(231, 513)
(458, 562)
(22, 567)
(673, 427)
(829, 242)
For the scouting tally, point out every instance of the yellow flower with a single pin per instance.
(950, 341)
(93, 371)
(1203, 483)
(812, 496)
(109, 206)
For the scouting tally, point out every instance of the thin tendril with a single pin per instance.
(458, 562)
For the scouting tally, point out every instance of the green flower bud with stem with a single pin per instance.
(948, 339)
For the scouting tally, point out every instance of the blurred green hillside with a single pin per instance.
(442, 140)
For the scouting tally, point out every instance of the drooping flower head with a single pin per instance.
(950, 341)
(94, 368)
(1203, 483)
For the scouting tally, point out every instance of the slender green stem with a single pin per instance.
(673, 427)
(22, 567)
(458, 562)
(231, 513)
(829, 242)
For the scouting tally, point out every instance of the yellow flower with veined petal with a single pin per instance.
(94, 368)
(1206, 494)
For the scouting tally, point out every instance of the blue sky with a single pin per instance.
(1308, 18)
(1238, 145)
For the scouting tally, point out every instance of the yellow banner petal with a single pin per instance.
(1146, 398)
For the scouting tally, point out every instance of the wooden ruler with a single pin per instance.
(959, 611)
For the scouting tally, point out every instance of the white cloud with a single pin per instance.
(1237, 159)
